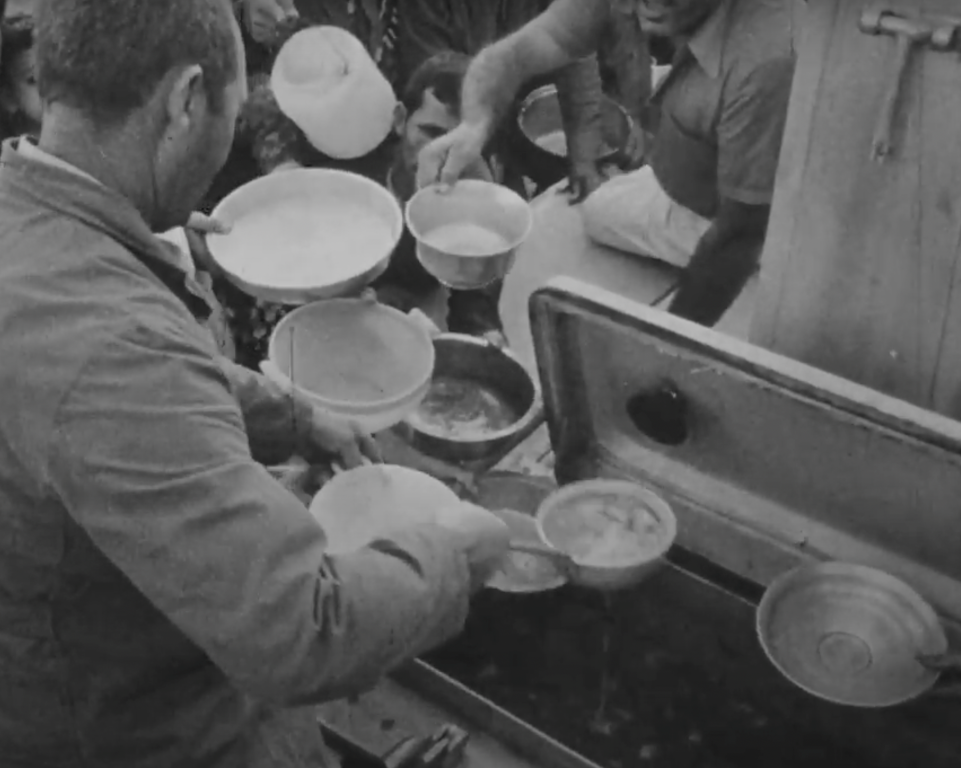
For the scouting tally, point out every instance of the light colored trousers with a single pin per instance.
(631, 213)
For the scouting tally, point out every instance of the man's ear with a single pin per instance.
(400, 118)
(186, 96)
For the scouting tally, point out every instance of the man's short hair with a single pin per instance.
(107, 57)
(443, 75)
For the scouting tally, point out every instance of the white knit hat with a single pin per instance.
(326, 82)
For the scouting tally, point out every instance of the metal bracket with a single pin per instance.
(937, 32)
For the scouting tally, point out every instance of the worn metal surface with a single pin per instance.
(417, 700)
(782, 463)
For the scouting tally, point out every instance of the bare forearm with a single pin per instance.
(566, 31)
(492, 83)
(724, 261)
(579, 93)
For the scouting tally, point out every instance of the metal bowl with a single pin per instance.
(461, 357)
(504, 217)
(572, 512)
(850, 634)
(364, 204)
(539, 123)
(357, 360)
(515, 497)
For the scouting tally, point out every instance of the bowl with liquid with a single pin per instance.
(480, 403)
(306, 234)
(357, 360)
(615, 532)
(541, 144)
(467, 236)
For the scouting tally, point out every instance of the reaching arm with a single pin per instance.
(726, 257)
(579, 94)
(150, 457)
(566, 31)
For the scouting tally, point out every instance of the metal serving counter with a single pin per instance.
(416, 701)
(768, 464)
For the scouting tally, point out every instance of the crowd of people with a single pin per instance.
(163, 599)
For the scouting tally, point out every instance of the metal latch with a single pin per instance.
(940, 33)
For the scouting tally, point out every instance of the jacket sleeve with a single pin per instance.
(271, 415)
(149, 456)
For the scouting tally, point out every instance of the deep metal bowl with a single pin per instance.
(850, 634)
(476, 359)
(539, 119)
(489, 206)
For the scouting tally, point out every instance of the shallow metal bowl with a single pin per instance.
(476, 359)
(850, 634)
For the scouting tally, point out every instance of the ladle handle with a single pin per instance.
(540, 550)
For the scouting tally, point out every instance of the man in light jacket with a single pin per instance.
(162, 598)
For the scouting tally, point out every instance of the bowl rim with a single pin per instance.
(375, 306)
(662, 509)
(783, 584)
(392, 469)
(438, 188)
(550, 89)
(397, 224)
(530, 415)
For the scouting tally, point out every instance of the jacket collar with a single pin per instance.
(59, 187)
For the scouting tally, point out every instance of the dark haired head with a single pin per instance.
(443, 76)
(17, 36)
(20, 112)
(106, 58)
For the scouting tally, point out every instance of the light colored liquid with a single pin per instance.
(554, 142)
(466, 239)
(305, 243)
(462, 409)
(613, 531)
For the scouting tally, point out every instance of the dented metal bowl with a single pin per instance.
(850, 634)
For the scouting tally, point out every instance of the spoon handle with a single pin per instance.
(540, 550)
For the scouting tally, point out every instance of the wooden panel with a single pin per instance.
(861, 262)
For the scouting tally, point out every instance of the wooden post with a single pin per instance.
(861, 274)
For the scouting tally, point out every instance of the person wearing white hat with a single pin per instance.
(328, 84)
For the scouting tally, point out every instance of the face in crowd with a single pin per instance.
(673, 18)
(431, 120)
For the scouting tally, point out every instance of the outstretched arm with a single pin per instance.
(568, 30)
